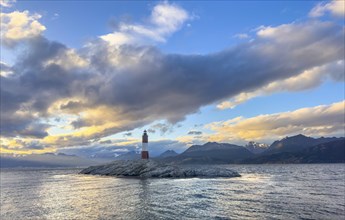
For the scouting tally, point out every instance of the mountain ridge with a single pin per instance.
(168, 153)
(292, 149)
(212, 152)
(297, 143)
(295, 149)
(330, 152)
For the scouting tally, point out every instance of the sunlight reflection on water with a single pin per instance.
(263, 191)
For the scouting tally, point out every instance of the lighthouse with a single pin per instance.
(144, 151)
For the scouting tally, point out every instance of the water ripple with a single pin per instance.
(263, 192)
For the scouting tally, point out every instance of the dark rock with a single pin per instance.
(150, 168)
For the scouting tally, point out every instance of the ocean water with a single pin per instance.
(263, 192)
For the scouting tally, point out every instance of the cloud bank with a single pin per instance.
(115, 83)
(308, 79)
(321, 120)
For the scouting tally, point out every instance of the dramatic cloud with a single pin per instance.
(106, 87)
(308, 79)
(16, 26)
(112, 97)
(28, 92)
(185, 83)
(335, 7)
(316, 121)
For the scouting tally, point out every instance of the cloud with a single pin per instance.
(323, 120)
(7, 3)
(107, 89)
(335, 7)
(5, 70)
(35, 145)
(104, 98)
(194, 132)
(162, 127)
(22, 145)
(29, 91)
(241, 36)
(67, 59)
(106, 142)
(308, 79)
(128, 134)
(16, 26)
(186, 82)
(55, 16)
(190, 140)
(98, 151)
(150, 130)
(165, 19)
(20, 123)
(238, 99)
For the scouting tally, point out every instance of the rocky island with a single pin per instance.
(154, 169)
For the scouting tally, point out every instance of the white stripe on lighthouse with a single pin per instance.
(144, 147)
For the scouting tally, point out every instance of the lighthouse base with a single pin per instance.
(144, 155)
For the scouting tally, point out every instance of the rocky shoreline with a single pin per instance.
(154, 169)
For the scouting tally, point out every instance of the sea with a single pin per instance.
(296, 191)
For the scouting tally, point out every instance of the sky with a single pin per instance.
(90, 76)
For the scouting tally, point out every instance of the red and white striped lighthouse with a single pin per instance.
(144, 151)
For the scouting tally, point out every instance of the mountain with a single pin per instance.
(256, 148)
(212, 153)
(47, 160)
(330, 152)
(168, 153)
(131, 155)
(296, 143)
(296, 149)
